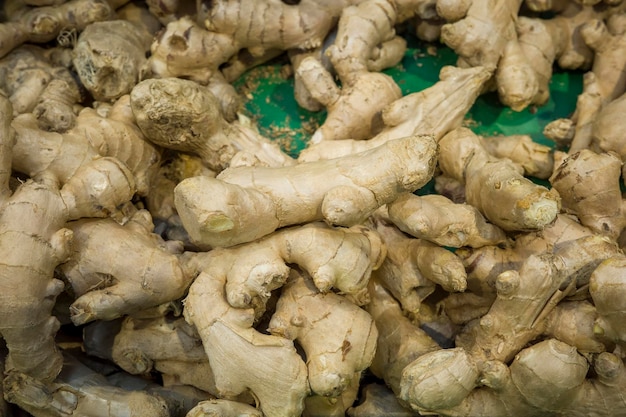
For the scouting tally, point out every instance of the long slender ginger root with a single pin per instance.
(589, 185)
(183, 115)
(145, 274)
(433, 111)
(79, 391)
(342, 191)
(495, 186)
(437, 219)
(43, 24)
(337, 336)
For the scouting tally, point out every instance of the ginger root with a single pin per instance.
(245, 203)
(495, 186)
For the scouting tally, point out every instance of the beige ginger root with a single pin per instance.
(433, 111)
(606, 288)
(337, 336)
(495, 186)
(185, 116)
(93, 136)
(223, 408)
(515, 318)
(32, 218)
(344, 260)
(109, 57)
(164, 344)
(547, 378)
(245, 203)
(353, 108)
(589, 186)
(437, 219)
(276, 377)
(536, 159)
(399, 342)
(79, 391)
(144, 274)
(413, 267)
(219, 301)
(37, 85)
(43, 24)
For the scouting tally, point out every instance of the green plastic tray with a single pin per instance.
(270, 100)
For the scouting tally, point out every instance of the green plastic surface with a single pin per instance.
(271, 103)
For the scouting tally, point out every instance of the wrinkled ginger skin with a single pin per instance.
(278, 378)
(109, 57)
(144, 274)
(33, 220)
(43, 24)
(303, 25)
(183, 115)
(589, 185)
(245, 203)
(338, 337)
(607, 290)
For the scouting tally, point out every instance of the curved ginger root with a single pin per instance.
(144, 274)
(495, 186)
(337, 336)
(437, 219)
(433, 111)
(33, 219)
(245, 203)
(344, 259)
(277, 376)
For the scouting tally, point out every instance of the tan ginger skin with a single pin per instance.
(43, 24)
(589, 185)
(281, 383)
(434, 111)
(496, 186)
(29, 335)
(437, 219)
(413, 267)
(185, 116)
(145, 275)
(93, 136)
(80, 391)
(363, 93)
(323, 325)
(245, 203)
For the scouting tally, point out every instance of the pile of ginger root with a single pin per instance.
(184, 264)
